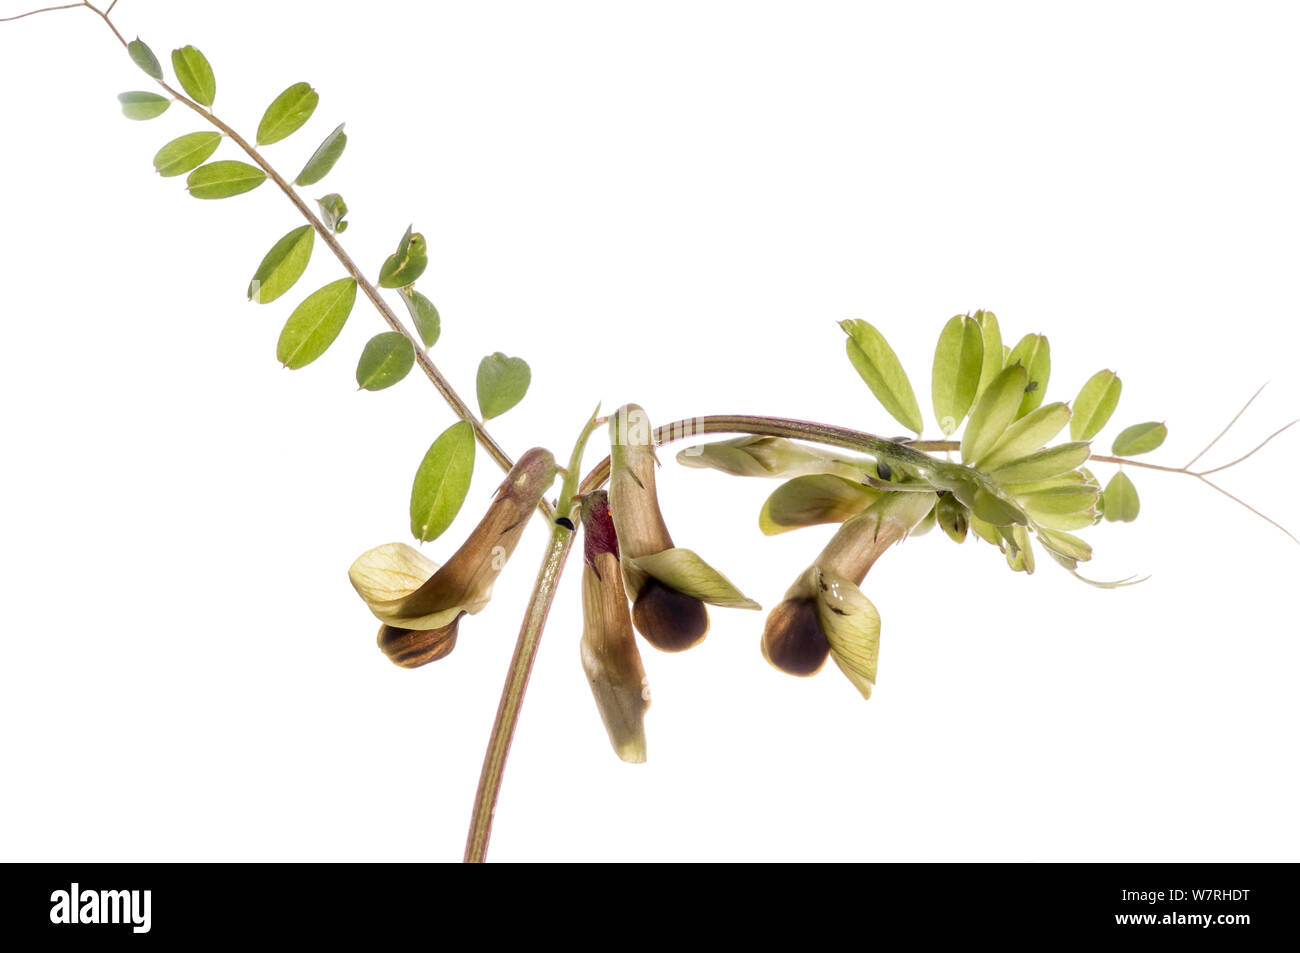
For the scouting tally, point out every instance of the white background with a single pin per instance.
(671, 203)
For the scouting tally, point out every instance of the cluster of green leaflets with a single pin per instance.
(443, 477)
(1012, 483)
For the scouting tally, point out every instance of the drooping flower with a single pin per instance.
(825, 614)
(668, 585)
(421, 604)
(609, 653)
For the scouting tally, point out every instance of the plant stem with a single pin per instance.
(431, 371)
(512, 696)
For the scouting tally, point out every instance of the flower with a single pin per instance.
(825, 614)
(609, 653)
(421, 604)
(668, 585)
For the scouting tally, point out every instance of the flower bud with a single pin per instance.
(668, 586)
(609, 653)
(421, 604)
(825, 613)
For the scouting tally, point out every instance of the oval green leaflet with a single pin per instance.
(1140, 438)
(385, 360)
(141, 105)
(1031, 432)
(221, 180)
(315, 323)
(425, 317)
(282, 266)
(195, 74)
(993, 352)
(955, 377)
(323, 159)
(1120, 499)
(994, 412)
(407, 263)
(287, 113)
(143, 57)
(186, 153)
(332, 210)
(502, 382)
(1094, 405)
(1045, 464)
(878, 365)
(442, 481)
(1032, 352)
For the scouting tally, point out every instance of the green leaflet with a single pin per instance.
(323, 159)
(993, 351)
(386, 359)
(502, 382)
(1029, 433)
(1043, 465)
(186, 153)
(442, 481)
(952, 516)
(407, 263)
(1094, 405)
(955, 377)
(993, 413)
(195, 74)
(221, 180)
(851, 625)
(287, 113)
(1062, 499)
(1120, 499)
(878, 365)
(315, 323)
(282, 266)
(332, 210)
(142, 105)
(144, 58)
(1034, 353)
(428, 324)
(1140, 438)
(812, 499)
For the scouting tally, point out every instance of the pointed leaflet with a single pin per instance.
(991, 366)
(142, 105)
(144, 58)
(221, 180)
(386, 359)
(993, 413)
(1043, 465)
(315, 323)
(1140, 438)
(442, 481)
(186, 153)
(332, 210)
(323, 159)
(878, 365)
(428, 324)
(407, 263)
(1120, 499)
(958, 362)
(502, 383)
(813, 499)
(1033, 352)
(195, 73)
(287, 113)
(1094, 405)
(282, 266)
(1029, 433)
